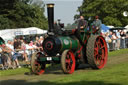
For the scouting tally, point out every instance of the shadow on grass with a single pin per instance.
(56, 69)
(24, 82)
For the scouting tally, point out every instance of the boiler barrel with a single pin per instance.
(53, 45)
(69, 43)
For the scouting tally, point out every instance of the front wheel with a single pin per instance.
(68, 62)
(37, 66)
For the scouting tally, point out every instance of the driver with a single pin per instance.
(81, 25)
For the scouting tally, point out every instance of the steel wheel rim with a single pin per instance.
(38, 68)
(100, 52)
(70, 62)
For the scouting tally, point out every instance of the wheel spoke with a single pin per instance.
(96, 50)
(101, 62)
(96, 53)
(68, 61)
(69, 67)
(101, 59)
(102, 47)
(98, 41)
(98, 59)
(103, 56)
(96, 44)
(38, 68)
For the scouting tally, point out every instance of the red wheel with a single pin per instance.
(97, 52)
(37, 66)
(68, 62)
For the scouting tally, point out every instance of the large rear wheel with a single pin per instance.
(68, 62)
(97, 52)
(37, 66)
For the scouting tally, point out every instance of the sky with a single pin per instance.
(64, 9)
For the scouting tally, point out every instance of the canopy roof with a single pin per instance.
(9, 34)
(104, 28)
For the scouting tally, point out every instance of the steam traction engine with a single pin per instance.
(67, 49)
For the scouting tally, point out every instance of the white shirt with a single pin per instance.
(118, 34)
(11, 47)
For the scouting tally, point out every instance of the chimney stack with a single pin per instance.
(50, 10)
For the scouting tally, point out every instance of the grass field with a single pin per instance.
(14, 71)
(115, 73)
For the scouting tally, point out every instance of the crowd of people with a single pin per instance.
(18, 49)
(116, 40)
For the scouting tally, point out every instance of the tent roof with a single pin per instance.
(9, 34)
(110, 26)
(23, 31)
(118, 28)
(126, 26)
(104, 28)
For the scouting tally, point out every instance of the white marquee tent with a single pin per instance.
(126, 27)
(9, 34)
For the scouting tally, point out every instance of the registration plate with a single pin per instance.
(49, 58)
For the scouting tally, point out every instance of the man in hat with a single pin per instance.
(98, 24)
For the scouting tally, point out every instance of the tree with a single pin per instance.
(4, 22)
(71, 26)
(109, 11)
(23, 13)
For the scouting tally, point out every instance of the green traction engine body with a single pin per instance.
(69, 50)
(53, 45)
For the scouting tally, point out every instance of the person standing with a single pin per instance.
(114, 38)
(123, 36)
(41, 40)
(97, 22)
(108, 40)
(14, 57)
(118, 39)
